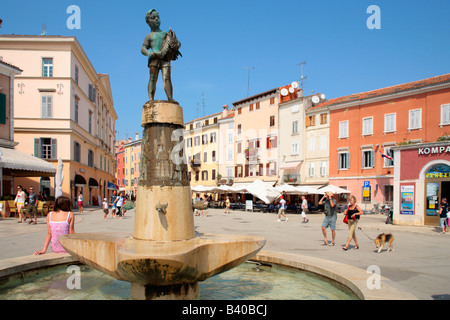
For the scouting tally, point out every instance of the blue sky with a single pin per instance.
(220, 39)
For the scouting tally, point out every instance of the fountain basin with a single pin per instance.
(173, 266)
(351, 277)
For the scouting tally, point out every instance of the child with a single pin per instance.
(105, 207)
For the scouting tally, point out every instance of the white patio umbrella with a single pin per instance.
(59, 177)
(309, 190)
(287, 188)
(334, 189)
(262, 191)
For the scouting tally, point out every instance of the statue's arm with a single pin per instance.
(145, 47)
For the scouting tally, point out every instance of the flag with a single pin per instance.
(386, 155)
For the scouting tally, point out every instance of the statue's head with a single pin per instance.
(152, 18)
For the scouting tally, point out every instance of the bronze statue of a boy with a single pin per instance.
(164, 48)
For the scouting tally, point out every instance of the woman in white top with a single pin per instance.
(304, 209)
(80, 202)
(19, 201)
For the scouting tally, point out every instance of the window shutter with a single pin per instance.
(372, 158)
(37, 148)
(53, 148)
(49, 106)
(246, 170)
(2, 108)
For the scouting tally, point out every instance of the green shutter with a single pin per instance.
(2, 108)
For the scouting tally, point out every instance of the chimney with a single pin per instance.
(225, 111)
(137, 136)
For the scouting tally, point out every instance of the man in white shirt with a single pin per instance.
(282, 210)
(304, 209)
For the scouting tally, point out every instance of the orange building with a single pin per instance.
(366, 126)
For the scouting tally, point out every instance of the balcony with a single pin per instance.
(252, 155)
(291, 178)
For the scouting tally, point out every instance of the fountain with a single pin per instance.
(164, 258)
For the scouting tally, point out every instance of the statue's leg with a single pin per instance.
(152, 82)
(167, 82)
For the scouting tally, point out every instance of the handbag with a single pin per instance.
(346, 216)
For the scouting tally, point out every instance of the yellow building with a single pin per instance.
(132, 160)
(202, 150)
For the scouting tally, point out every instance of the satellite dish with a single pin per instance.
(322, 96)
(284, 92)
(294, 85)
(291, 90)
(315, 99)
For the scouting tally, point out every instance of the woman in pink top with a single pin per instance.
(60, 221)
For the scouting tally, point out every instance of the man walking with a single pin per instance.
(330, 217)
(32, 203)
(282, 210)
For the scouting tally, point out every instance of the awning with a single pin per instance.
(79, 181)
(20, 164)
(290, 165)
(93, 183)
(112, 186)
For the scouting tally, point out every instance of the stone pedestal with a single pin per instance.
(164, 258)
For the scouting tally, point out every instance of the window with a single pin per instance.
(310, 121)
(205, 139)
(368, 159)
(343, 129)
(367, 126)
(323, 118)
(212, 137)
(229, 154)
(239, 128)
(311, 144)
(76, 152)
(205, 156)
(294, 148)
(230, 137)
(323, 168)
(213, 156)
(294, 127)
(45, 148)
(445, 114)
(271, 168)
(240, 111)
(272, 121)
(213, 174)
(250, 107)
(272, 100)
(76, 108)
(415, 121)
(257, 105)
(229, 173)
(189, 142)
(239, 147)
(271, 142)
(323, 143)
(90, 122)
(344, 160)
(312, 169)
(76, 74)
(389, 122)
(47, 67)
(92, 93)
(2, 108)
(388, 162)
(91, 158)
(197, 141)
(46, 106)
(388, 193)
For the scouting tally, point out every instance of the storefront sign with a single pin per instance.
(434, 150)
(407, 200)
(438, 171)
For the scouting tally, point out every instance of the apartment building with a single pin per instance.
(63, 109)
(365, 127)
(132, 165)
(202, 149)
(256, 138)
(226, 147)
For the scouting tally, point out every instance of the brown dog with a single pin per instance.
(382, 238)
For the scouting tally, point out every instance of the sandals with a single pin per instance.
(345, 248)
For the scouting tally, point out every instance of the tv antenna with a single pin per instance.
(301, 64)
(248, 85)
(43, 29)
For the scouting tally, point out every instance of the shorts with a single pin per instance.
(80, 204)
(159, 63)
(442, 222)
(329, 222)
(106, 211)
(31, 208)
(281, 211)
(303, 214)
